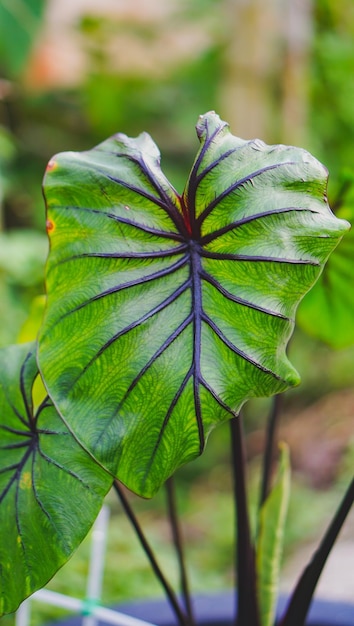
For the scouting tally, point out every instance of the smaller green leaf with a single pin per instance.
(270, 539)
(50, 488)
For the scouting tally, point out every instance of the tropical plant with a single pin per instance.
(164, 314)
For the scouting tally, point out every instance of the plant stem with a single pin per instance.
(178, 542)
(272, 424)
(180, 615)
(247, 611)
(301, 598)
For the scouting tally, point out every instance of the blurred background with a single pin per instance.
(73, 72)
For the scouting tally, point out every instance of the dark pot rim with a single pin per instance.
(217, 609)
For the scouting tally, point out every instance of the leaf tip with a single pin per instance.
(208, 123)
(292, 377)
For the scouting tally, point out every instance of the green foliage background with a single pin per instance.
(37, 122)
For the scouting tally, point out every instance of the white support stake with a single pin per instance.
(94, 588)
(101, 613)
(22, 617)
(96, 568)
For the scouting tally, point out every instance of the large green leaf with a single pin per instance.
(166, 312)
(50, 489)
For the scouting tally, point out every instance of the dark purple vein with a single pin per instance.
(214, 164)
(209, 139)
(17, 470)
(164, 304)
(141, 192)
(26, 403)
(44, 431)
(126, 255)
(133, 283)
(167, 417)
(39, 502)
(237, 185)
(62, 468)
(166, 344)
(216, 397)
(236, 350)
(196, 270)
(149, 230)
(23, 433)
(16, 412)
(153, 181)
(26, 560)
(170, 209)
(64, 543)
(22, 544)
(122, 220)
(9, 468)
(225, 256)
(212, 281)
(18, 523)
(251, 218)
(46, 403)
(15, 446)
(192, 184)
(141, 373)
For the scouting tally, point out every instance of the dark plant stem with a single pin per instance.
(272, 424)
(178, 542)
(247, 611)
(180, 615)
(300, 601)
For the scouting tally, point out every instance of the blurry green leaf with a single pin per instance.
(22, 256)
(7, 146)
(331, 112)
(50, 489)
(29, 332)
(19, 24)
(270, 540)
(30, 328)
(165, 313)
(327, 311)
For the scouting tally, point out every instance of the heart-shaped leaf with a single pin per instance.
(166, 312)
(50, 489)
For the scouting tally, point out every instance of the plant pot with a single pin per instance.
(218, 610)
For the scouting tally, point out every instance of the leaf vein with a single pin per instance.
(165, 303)
(133, 283)
(236, 185)
(225, 256)
(167, 419)
(215, 283)
(250, 218)
(237, 350)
